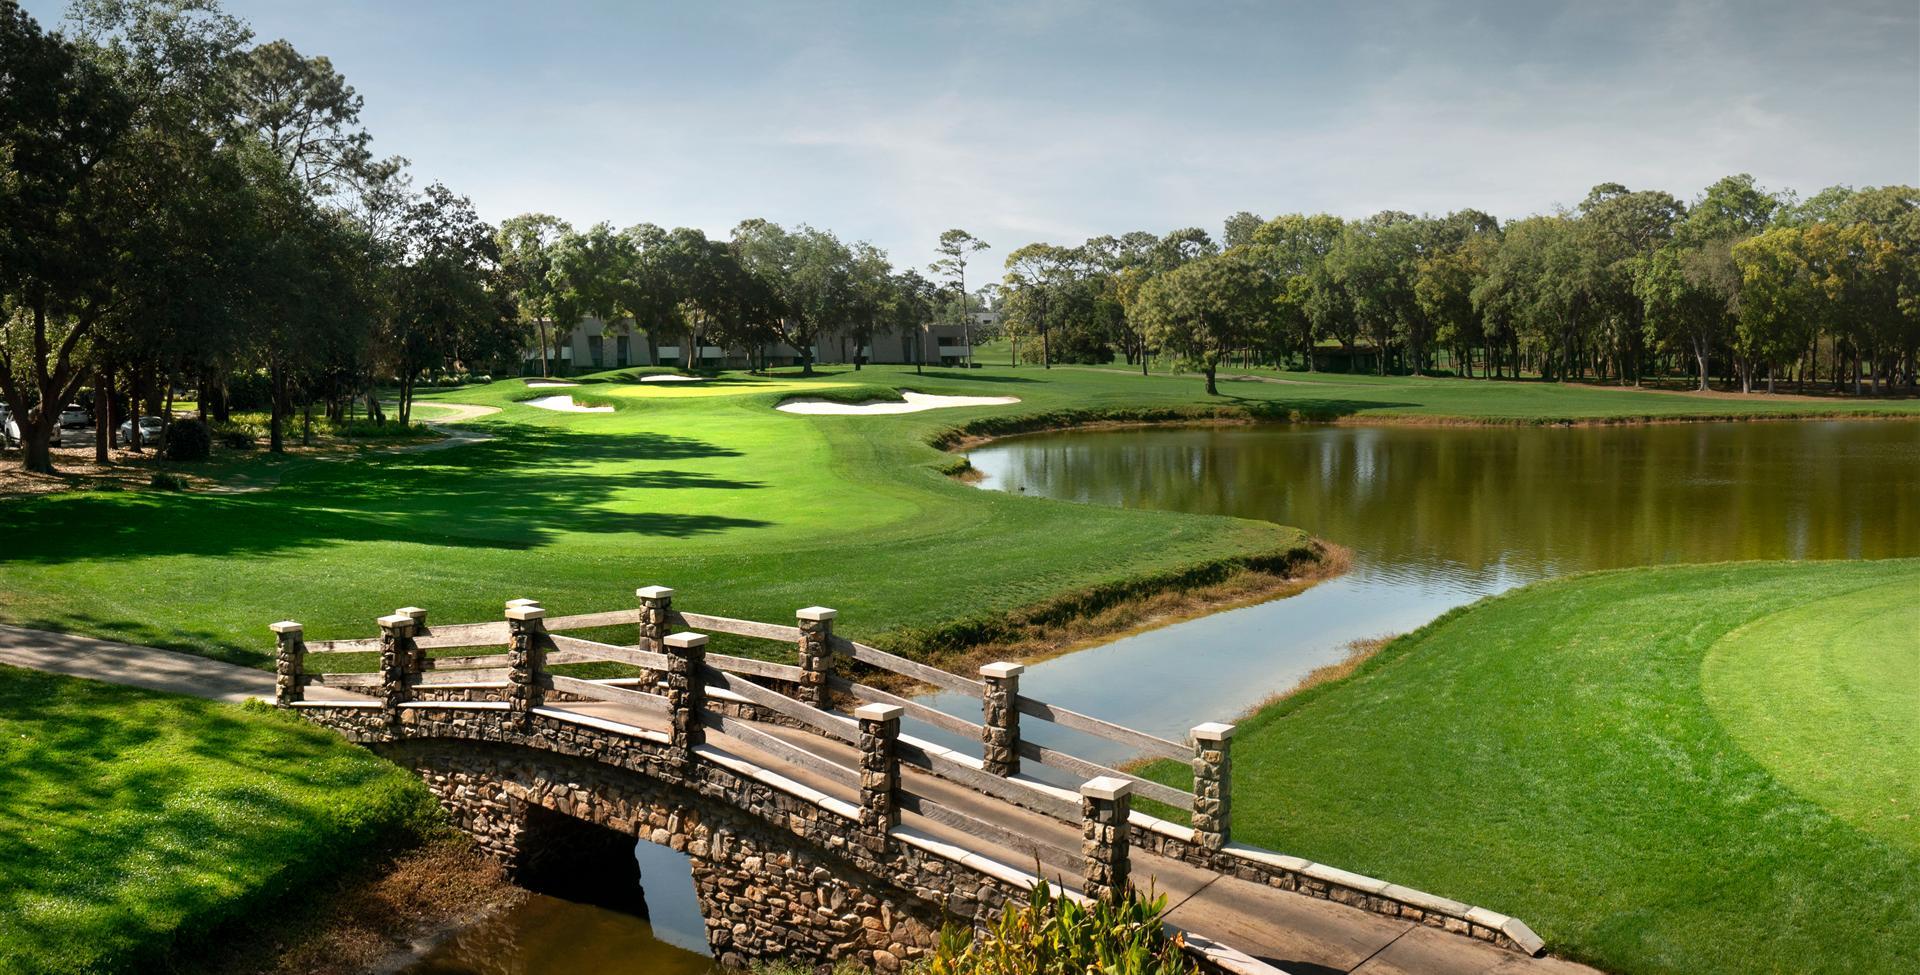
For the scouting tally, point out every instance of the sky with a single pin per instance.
(1058, 120)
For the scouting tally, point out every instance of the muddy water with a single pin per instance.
(1438, 517)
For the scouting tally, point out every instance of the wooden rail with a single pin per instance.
(769, 688)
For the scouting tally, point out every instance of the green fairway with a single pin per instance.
(1826, 695)
(1694, 769)
(704, 487)
(134, 822)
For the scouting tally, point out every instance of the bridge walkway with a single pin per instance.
(1299, 935)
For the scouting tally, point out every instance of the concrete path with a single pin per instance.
(144, 667)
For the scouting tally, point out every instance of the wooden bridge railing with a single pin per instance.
(735, 696)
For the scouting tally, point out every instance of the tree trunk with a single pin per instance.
(1213, 388)
(276, 430)
(545, 372)
(102, 417)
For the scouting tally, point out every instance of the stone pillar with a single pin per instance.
(1000, 718)
(290, 662)
(1212, 784)
(1105, 836)
(816, 654)
(656, 603)
(418, 664)
(396, 656)
(686, 691)
(526, 660)
(879, 772)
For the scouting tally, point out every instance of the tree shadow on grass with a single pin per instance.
(521, 491)
(107, 783)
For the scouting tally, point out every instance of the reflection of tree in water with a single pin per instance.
(1440, 503)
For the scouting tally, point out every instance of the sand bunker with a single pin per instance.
(915, 403)
(669, 378)
(565, 404)
(545, 384)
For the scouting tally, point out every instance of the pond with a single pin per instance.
(1437, 517)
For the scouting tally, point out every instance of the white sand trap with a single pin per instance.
(916, 402)
(543, 384)
(670, 378)
(565, 404)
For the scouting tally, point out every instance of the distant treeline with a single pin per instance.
(1744, 285)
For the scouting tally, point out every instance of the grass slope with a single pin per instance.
(704, 487)
(132, 822)
(1556, 753)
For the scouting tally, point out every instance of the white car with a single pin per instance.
(75, 416)
(10, 431)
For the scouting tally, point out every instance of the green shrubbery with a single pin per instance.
(1054, 935)
(188, 440)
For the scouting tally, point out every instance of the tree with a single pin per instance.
(1777, 296)
(1034, 273)
(1205, 308)
(443, 294)
(63, 123)
(1240, 229)
(1622, 229)
(953, 248)
(527, 243)
(809, 274)
(870, 290)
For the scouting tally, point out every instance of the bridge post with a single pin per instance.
(289, 663)
(656, 603)
(686, 692)
(1106, 836)
(396, 661)
(418, 664)
(816, 654)
(1000, 718)
(526, 660)
(1212, 784)
(879, 772)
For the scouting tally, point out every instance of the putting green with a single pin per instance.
(1826, 695)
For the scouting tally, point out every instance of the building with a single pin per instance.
(592, 345)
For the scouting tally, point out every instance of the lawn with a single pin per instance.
(1696, 769)
(135, 822)
(703, 487)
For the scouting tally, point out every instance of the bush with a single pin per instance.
(1052, 935)
(164, 481)
(238, 436)
(188, 440)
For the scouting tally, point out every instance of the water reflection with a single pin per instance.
(1439, 516)
(546, 934)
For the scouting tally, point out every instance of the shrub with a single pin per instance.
(164, 481)
(1053, 935)
(237, 436)
(188, 440)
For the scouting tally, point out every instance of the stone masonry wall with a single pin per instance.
(778, 875)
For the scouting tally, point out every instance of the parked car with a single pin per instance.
(75, 416)
(149, 430)
(10, 431)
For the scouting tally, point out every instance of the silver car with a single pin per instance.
(150, 427)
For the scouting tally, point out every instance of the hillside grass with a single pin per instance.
(704, 487)
(133, 824)
(1696, 769)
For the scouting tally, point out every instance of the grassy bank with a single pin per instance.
(705, 487)
(1650, 766)
(133, 823)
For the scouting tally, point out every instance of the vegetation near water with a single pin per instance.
(1652, 766)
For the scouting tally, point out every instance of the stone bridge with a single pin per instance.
(819, 834)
